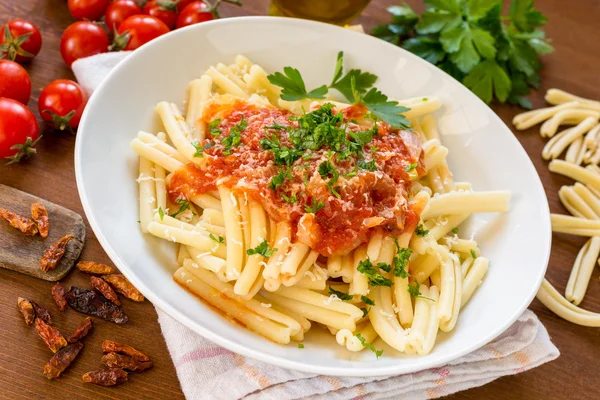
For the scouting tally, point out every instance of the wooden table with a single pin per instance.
(50, 174)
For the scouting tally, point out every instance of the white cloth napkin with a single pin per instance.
(207, 371)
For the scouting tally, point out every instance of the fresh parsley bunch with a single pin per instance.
(495, 56)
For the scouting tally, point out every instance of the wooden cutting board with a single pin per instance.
(22, 253)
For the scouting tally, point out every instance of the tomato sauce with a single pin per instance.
(339, 224)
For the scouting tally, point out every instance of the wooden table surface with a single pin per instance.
(574, 30)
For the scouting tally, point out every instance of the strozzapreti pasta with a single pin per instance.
(292, 209)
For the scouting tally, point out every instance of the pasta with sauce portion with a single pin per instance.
(292, 209)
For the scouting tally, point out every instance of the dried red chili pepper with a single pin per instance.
(27, 310)
(91, 303)
(58, 294)
(110, 346)
(105, 377)
(24, 224)
(104, 289)
(61, 360)
(92, 267)
(50, 335)
(40, 216)
(123, 286)
(54, 253)
(42, 313)
(114, 360)
(82, 330)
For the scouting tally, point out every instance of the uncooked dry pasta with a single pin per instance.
(293, 210)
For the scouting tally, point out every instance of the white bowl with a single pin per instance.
(482, 151)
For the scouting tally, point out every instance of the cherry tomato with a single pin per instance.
(166, 11)
(91, 10)
(14, 81)
(194, 13)
(82, 39)
(138, 30)
(119, 11)
(61, 104)
(20, 40)
(19, 130)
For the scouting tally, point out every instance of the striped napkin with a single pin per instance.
(207, 371)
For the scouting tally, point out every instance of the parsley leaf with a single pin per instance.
(420, 231)
(488, 79)
(473, 254)
(184, 205)
(384, 266)
(293, 85)
(362, 80)
(161, 213)
(369, 346)
(341, 295)
(290, 200)
(213, 127)
(199, 149)
(283, 154)
(454, 230)
(327, 170)
(524, 16)
(403, 21)
(263, 249)
(410, 167)
(400, 260)
(365, 311)
(367, 300)
(366, 268)
(368, 166)
(300, 345)
(414, 289)
(314, 207)
(218, 239)
(386, 110)
(279, 179)
(234, 138)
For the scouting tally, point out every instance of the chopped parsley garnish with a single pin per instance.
(283, 154)
(218, 239)
(293, 85)
(314, 207)
(473, 254)
(415, 291)
(365, 311)
(367, 300)
(183, 205)
(368, 166)
(341, 295)
(276, 126)
(401, 260)
(454, 230)
(290, 200)
(161, 213)
(234, 139)
(421, 231)
(263, 249)
(410, 167)
(375, 279)
(327, 170)
(300, 346)
(279, 179)
(213, 127)
(369, 346)
(199, 149)
(384, 266)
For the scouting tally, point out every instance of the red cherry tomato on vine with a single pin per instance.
(20, 40)
(19, 130)
(88, 9)
(138, 30)
(14, 82)
(164, 10)
(118, 11)
(194, 13)
(61, 104)
(82, 39)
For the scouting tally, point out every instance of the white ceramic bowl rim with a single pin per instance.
(232, 345)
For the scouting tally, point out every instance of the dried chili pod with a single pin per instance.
(104, 288)
(92, 267)
(50, 335)
(110, 346)
(26, 308)
(105, 377)
(54, 253)
(24, 224)
(61, 360)
(123, 286)
(42, 313)
(40, 216)
(91, 303)
(114, 360)
(58, 294)
(82, 330)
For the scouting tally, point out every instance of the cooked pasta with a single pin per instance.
(291, 211)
